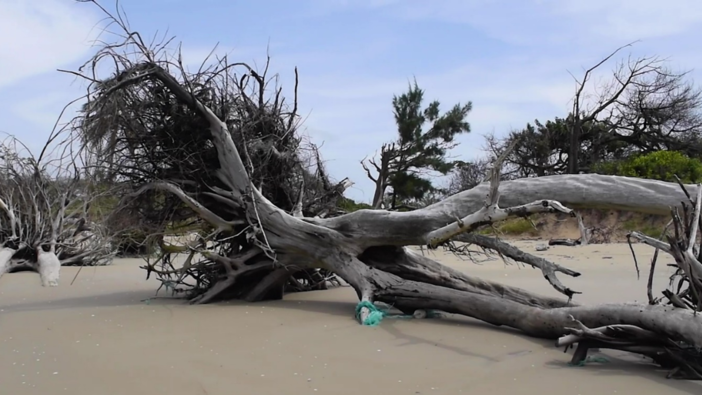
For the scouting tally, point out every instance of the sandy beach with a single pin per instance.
(104, 335)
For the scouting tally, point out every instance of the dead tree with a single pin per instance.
(468, 175)
(388, 153)
(645, 105)
(43, 221)
(254, 245)
(641, 107)
(152, 137)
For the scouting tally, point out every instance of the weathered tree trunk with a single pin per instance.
(387, 152)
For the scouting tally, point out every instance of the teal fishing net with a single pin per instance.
(377, 315)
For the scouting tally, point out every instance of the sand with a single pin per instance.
(100, 337)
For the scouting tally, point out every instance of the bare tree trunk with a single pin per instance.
(574, 147)
(379, 192)
(387, 153)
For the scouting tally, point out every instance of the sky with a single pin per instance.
(515, 60)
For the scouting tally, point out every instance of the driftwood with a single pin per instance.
(253, 243)
(564, 242)
(684, 358)
(43, 221)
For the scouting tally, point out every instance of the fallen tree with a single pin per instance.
(151, 143)
(44, 222)
(254, 247)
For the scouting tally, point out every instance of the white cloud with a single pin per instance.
(538, 22)
(631, 19)
(40, 35)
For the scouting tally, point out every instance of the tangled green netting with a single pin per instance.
(376, 315)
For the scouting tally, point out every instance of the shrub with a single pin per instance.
(518, 226)
(659, 165)
(349, 205)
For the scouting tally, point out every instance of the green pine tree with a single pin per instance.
(424, 138)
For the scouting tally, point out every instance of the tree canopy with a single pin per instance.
(424, 137)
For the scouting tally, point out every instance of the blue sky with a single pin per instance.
(511, 58)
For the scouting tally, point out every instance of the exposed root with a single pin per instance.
(271, 287)
(684, 248)
(684, 360)
(218, 287)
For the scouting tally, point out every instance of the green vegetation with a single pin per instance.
(623, 223)
(350, 205)
(424, 137)
(418, 147)
(511, 227)
(639, 224)
(517, 226)
(659, 165)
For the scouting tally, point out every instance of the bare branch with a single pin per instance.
(202, 211)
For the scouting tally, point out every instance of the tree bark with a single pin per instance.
(371, 228)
